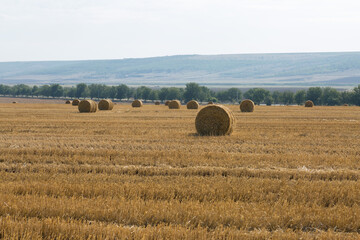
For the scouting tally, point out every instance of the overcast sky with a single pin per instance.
(114, 29)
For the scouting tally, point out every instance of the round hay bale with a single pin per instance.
(75, 102)
(87, 106)
(157, 103)
(209, 103)
(174, 104)
(192, 104)
(167, 103)
(346, 105)
(137, 103)
(214, 120)
(106, 104)
(247, 105)
(68, 102)
(309, 103)
(14, 102)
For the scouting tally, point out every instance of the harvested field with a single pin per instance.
(285, 173)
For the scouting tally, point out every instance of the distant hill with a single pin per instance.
(340, 70)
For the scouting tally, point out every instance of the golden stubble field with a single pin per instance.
(285, 173)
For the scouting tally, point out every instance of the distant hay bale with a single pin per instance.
(309, 103)
(192, 105)
(75, 102)
(137, 103)
(157, 103)
(14, 102)
(346, 105)
(214, 120)
(174, 104)
(167, 103)
(247, 105)
(209, 103)
(106, 104)
(68, 102)
(87, 106)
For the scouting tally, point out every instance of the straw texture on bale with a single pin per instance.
(309, 103)
(210, 102)
(87, 106)
(67, 102)
(137, 103)
(167, 103)
(157, 103)
(247, 105)
(192, 105)
(174, 104)
(106, 104)
(75, 102)
(214, 120)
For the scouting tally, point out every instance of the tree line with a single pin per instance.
(320, 96)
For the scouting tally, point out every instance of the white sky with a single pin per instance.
(113, 29)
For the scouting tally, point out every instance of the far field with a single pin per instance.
(286, 172)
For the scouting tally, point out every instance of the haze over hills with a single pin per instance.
(340, 70)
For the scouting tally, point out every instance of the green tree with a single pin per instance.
(82, 90)
(356, 96)
(21, 89)
(346, 97)
(257, 95)
(268, 100)
(35, 91)
(287, 97)
(300, 97)
(154, 95)
(70, 92)
(112, 91)
(143, 92)
(5, 90)
(314, 94)
(45, 90)
(233, 95)
(192, 92)
(97, 90)
(122, 91)
(174, 93)
(205, 94)
(56, 90)
(330, 97)
(276, 97)
(163, 93)
(131, 93)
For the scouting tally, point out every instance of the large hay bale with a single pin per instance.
(106, 104)
(174, 104)
(157, 103)
(309, 103)
(192, 104)
(87, 106)
(247, 105)
(214, 120)
(137, 103)
(75, 102)
(167, 102)
(68, 102)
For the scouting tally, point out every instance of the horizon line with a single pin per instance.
(175, 55)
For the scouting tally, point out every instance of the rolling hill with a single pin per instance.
(341, 70)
